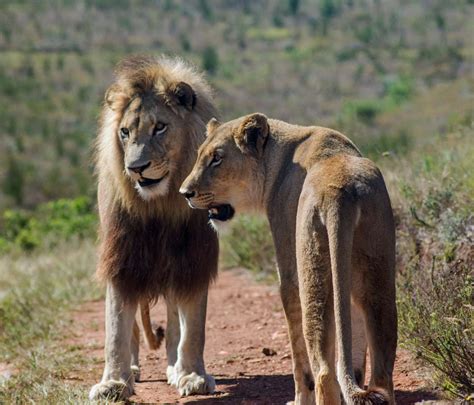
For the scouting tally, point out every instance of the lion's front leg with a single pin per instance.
(135, 351)
(173, 335)
(117, 380)
(189, 372)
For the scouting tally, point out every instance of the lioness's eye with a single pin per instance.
(160, 128)
(216, 160)
(124, 133)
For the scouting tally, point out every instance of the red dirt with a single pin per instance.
(244, 318)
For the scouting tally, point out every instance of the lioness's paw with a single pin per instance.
(193, 383)
(112, 390)
(136, 372)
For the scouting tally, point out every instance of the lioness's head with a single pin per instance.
(228, 175)
(158, 122)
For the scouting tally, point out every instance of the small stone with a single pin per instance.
(268, 352)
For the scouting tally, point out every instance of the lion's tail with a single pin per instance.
(341, 224)
(153, 336)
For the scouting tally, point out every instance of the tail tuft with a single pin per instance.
(159, 333)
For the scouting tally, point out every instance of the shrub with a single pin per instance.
(49, 224)
(210, 60)
(436, 258)
(399, 90)
(363, 110)
(249, 244)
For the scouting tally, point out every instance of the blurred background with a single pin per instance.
(396, 76)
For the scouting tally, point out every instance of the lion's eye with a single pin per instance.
(160, 128)
(124, 133)
(216, 160)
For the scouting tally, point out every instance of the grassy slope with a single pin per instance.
(305, 66)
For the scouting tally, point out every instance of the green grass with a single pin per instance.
(37, 291)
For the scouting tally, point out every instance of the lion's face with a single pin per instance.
(227, 175)
(153, 136)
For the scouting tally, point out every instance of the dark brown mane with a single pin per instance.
(153, 258)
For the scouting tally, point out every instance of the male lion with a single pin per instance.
(152, 243)
(333, 229)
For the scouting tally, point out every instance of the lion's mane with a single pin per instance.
(150, 248)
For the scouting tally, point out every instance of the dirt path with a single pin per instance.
(244, 317)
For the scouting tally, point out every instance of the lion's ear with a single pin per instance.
(252, 134)
(212, 125)
(116, 97)
(182, 94)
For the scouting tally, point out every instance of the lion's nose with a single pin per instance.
(187, 193)
(139, 169)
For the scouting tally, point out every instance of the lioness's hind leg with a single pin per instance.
(359, 344)
(381, 330)
(302, 373)
(314, 275)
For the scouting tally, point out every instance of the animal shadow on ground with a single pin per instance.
(279, 389)
(253, 389)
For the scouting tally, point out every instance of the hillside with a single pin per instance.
(332, 62)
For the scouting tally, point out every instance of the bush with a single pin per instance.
(399, 90)
(249, 244)
(436, 259)
(363, 110)
(49, 224)
(210, 60)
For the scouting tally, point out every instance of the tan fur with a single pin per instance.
(333, 228)
(151, 243)
(153, 338)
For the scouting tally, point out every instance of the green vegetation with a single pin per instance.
(433, 202)
(37, 291)
(249, 244)
(333, 62)
(51, 223)
(394, 76)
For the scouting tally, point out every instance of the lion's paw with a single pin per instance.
(136, 372)
(194, 383)
(111, 390)
(170, 375)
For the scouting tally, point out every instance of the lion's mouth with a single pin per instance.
(144, 182)
(222, 212)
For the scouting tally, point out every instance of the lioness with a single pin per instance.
(333, 229)
(152, 244)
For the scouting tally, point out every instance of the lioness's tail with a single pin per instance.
(341, 223)
(153, 337)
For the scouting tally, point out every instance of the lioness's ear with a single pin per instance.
(182, 94)
(116, 97)
(252, 134)
(212, 125)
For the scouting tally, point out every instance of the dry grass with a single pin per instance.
(36, 292)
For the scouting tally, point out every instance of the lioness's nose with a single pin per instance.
(139, 169)
(187, 193)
